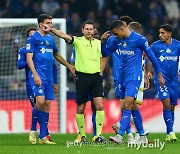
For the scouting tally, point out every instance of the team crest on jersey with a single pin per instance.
(28, 46)
(47, 43)
(146, 44)
(40, 91)
(168, 50)
(124, 44)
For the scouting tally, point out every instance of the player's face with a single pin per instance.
(46, 23)
(119, 32)
(164, 35)
(88, 31)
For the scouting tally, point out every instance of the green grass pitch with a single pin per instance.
(18, 144)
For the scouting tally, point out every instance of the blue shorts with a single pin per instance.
(30, 95)
(129, 88)
(170, 92)
(46, 89)
(117, 87)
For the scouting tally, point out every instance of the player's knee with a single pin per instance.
(80, 109)
(127, 106)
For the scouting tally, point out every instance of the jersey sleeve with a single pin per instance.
(30, 44)
(153, 49)
(109, 46)
(75, 40)
(54, 73)
(21, 63)
(143, 43)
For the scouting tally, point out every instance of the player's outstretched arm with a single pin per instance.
(37, 79)
(60, 59)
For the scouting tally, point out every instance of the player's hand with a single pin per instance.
(37, 80)
(105, 36)
(72, 70)
(108, 86)
(146, 83)
(56, 88)
(161, 80)
(149, 74)
(46, 28)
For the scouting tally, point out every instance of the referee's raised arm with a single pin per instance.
(59, 33)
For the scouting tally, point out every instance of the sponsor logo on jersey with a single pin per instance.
(43, 50)
(168, 58)
(28, 46)
(125, 52)
(161, 50)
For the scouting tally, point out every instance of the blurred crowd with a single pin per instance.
(151, 14)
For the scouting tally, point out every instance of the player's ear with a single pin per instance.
(40, 25)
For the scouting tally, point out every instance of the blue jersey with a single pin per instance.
(116, 65)
(167, 56)
(130, 50)
(22, 63)
(42, 48)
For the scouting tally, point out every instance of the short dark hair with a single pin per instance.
(30, 29)
(116, 24)
(42, 17)
(126, 19)
(136, 26)
(167, 27)
(88, 22)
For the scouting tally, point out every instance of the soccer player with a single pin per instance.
(22, 64)
(88, 78)
(167, 51)
(130, 46)
(41, 50)
(116, 65)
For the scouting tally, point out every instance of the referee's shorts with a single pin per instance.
(88, 83)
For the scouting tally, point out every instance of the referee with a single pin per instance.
(88, 78)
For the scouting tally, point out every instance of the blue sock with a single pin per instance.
(128, 129)
(138, 121)
(125, 120)
(172, 114)
(35, 118)
(94, 123)
(43, 124)
(168, 120)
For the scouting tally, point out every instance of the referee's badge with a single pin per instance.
(47, 43)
